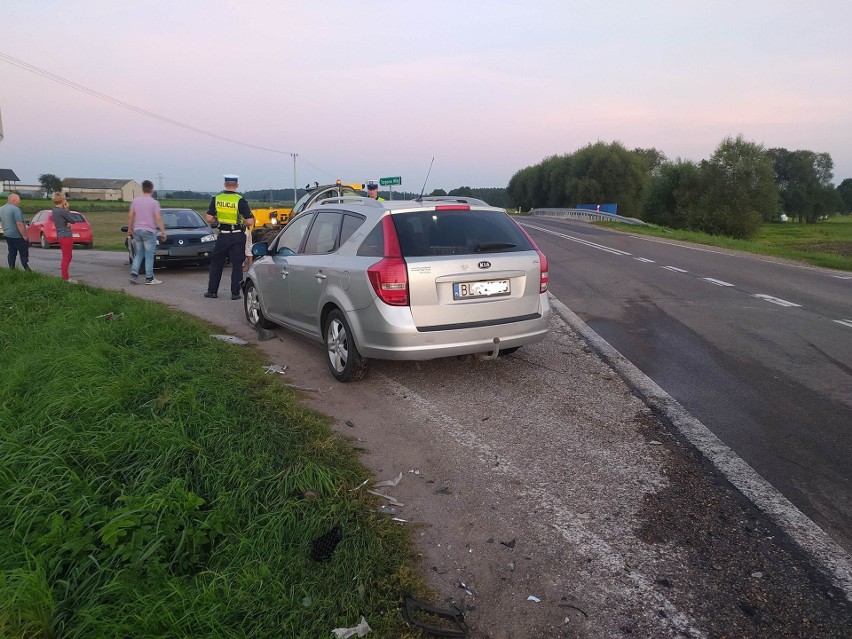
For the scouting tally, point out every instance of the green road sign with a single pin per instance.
(390, 181)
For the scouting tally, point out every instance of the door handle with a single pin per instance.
(284, 273)
(320, 276)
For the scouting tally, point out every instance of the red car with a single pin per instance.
(41, 230)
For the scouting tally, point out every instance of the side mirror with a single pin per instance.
(260, 249)
(124, 229)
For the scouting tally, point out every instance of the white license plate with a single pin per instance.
(488, 288)
(75, 235)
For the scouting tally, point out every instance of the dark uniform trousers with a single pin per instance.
(231, 245)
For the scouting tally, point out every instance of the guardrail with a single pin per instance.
(584, 215)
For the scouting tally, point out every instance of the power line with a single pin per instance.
(26, 66)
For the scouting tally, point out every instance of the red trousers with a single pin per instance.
(67, 245)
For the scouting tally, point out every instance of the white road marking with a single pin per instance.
(843, 277)
(717, 282)
(775, 300)
(675, 269)
(577, 239)
(831, 559)
(644, 259)
(845, 322)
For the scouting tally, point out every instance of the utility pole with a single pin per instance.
(160, 183)
(295, 155)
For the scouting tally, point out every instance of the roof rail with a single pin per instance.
(461, 199)
(352, 199)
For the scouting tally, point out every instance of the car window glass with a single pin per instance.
(323, 235)
(38, 218)
(290, 240)
(454, 232)
(374, 244)
(77, 217)
(351, 223)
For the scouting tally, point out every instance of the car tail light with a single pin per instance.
(389, 277)
(453, 207)
(542, 261)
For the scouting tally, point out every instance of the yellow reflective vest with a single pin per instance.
(228, 207)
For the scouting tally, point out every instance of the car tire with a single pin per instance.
(43, 242)
(251, 304)
(87, 246)
(344, 361)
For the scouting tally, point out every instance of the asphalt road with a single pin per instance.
(757, 350)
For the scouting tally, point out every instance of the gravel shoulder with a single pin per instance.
(541, 474)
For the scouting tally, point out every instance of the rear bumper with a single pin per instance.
(388, 332)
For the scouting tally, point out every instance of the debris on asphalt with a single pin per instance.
(534, 599)
(301, 388)
(509, 544)
(390, 482)
(264, 334)
(391, 500)
(274, 368)
(350, 423)
(231, 339)
(426, 617)
(443, 491)
(654, 442)
(464, 587)
(355, 631)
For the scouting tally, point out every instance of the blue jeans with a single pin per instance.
(18, 246)
(144, 245)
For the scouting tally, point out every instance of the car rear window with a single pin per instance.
(77, 217)
(454, 232)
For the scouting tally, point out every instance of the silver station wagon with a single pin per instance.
(403, 280)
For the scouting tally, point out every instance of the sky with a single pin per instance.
(378, 88)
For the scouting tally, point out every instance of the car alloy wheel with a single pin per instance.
(344, 361)
(254, 314)
(44, 243)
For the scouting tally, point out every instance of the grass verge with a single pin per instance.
(155, 483)
(827, 243)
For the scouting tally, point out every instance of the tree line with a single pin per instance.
(732, 193)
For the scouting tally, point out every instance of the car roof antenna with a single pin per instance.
(428, 173)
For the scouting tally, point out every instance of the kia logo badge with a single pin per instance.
(180, 241)
(484, 264)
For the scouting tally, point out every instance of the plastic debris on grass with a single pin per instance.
(355, 631)
(109, 316)
(324, 546)
(274, 368)
(231, 339)
(435, 621)
(534, 599)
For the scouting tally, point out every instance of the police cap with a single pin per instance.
(230, 177)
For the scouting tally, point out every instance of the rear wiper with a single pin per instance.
(492, 246)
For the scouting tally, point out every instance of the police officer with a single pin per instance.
(231, 210)
(373, 191)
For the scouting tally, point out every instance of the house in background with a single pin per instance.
(7, 177)
(100, 189)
